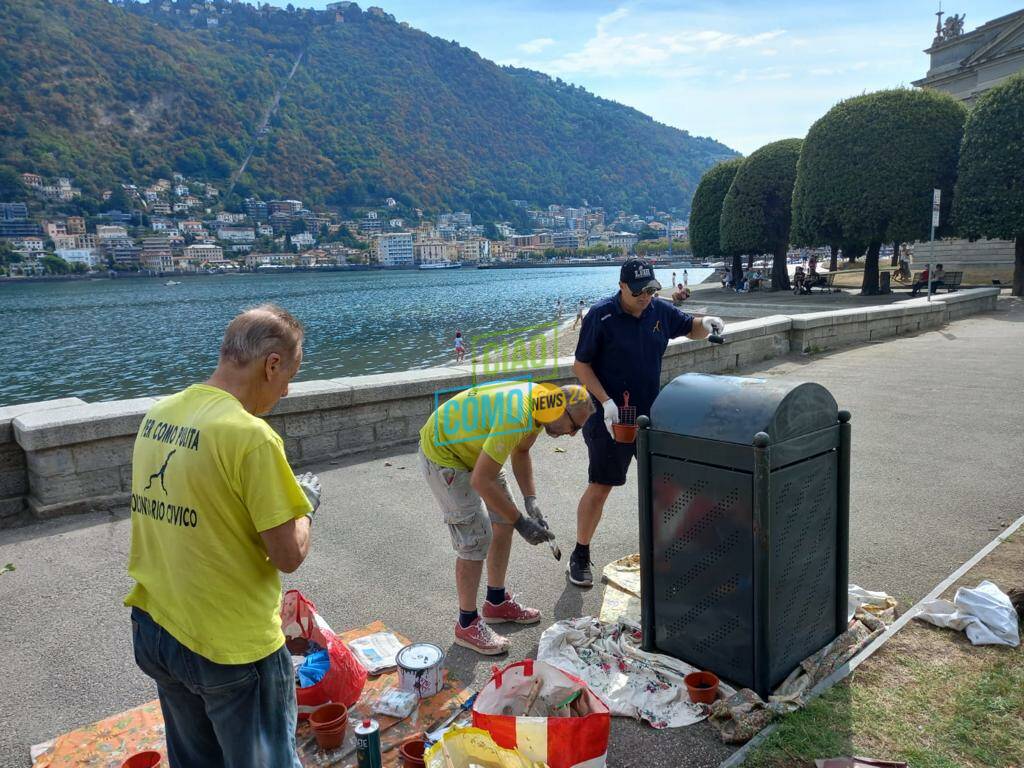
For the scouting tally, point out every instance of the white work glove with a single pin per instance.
(310, 485)
(533, 510)
(713, 325)
(611, 415)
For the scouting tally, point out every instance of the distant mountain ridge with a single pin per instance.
(109, 93)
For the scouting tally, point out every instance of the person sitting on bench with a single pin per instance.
(922, 281)
(798, 279)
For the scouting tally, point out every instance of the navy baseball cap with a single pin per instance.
(638, 274)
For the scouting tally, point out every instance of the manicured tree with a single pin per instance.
(706, 211)
(989, 200)
(870, 164)
(756, 212)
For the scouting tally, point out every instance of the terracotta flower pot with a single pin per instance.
(328, 740)
(702, 687)
(329, 723)
(412, 752)
(148, 759)
(624, 433)
(328, 716)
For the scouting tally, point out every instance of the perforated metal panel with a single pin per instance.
(803, 562)
(703, 563)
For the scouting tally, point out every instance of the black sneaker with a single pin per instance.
(579, 571)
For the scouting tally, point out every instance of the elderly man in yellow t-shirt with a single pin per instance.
(216, 513)
(463, 447)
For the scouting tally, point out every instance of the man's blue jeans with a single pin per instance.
(219, 715)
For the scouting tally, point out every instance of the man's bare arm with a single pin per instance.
(484, 480)
(585, 373)
(287, 544)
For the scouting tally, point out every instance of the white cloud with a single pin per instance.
(536, 46)
(622, 44)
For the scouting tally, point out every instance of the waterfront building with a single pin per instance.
(156, 254)
(86, 256)
(395, 249)
(966, 64)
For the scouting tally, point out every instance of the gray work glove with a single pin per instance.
(310, 485)
(532, 531)
(533, 510)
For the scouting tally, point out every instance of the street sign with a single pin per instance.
(936, 204)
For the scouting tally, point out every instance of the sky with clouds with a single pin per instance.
(745, 72)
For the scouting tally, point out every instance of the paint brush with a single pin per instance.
(555, 549)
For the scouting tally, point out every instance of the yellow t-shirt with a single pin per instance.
(493, 418)
(207, 477)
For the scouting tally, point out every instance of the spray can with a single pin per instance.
(368, 744)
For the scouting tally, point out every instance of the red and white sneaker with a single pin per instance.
(510, 610)
(481, 638)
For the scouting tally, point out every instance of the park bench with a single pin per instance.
(951, 281)
(824, 282)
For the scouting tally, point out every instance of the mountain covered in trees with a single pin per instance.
(108, 93)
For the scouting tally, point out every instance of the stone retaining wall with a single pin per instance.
(66, 456)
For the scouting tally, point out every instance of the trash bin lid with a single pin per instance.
(733, 409)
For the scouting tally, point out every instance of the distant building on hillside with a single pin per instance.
(395, 249)
(966, 64)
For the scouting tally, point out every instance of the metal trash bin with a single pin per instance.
(744, 488)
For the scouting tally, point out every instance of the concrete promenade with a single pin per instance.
(936, 471)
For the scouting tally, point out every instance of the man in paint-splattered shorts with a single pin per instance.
(463, 447)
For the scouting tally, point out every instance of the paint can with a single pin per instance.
(421, 669)
(368, 754)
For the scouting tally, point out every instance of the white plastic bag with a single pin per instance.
(984, 613)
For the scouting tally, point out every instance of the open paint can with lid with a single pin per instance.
(421, 669)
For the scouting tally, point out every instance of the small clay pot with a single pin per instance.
(148, 759)
(328, 716)
(329, 739)
(702, 687)
(624, 433)
(412, 752)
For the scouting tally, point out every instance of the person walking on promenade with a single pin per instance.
(460, 347)
(216, 513)
(463, 448)
(580, 309)
(619, 350)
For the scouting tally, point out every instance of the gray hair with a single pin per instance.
(259, 331)
(579, 403)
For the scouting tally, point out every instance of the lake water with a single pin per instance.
(114, 339)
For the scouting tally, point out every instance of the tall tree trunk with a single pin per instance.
(750, 261)
(737, 270)
(1018, 265)
(870, 285)
(833, 262)
(852, 252)
(780, 270)
(895, 262)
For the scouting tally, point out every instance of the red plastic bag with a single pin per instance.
(344, 681)
(559, 742)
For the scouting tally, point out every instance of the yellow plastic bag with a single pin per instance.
(473, 748)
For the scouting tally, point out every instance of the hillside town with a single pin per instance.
(180, 225)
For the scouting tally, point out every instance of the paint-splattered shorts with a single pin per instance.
(462, 508)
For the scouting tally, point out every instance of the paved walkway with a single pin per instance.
(936, 470)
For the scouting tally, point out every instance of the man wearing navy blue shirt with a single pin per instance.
(620, 348)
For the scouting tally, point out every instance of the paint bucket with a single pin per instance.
(421, 669)
(147, 759)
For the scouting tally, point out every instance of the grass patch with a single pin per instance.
(928, 697)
